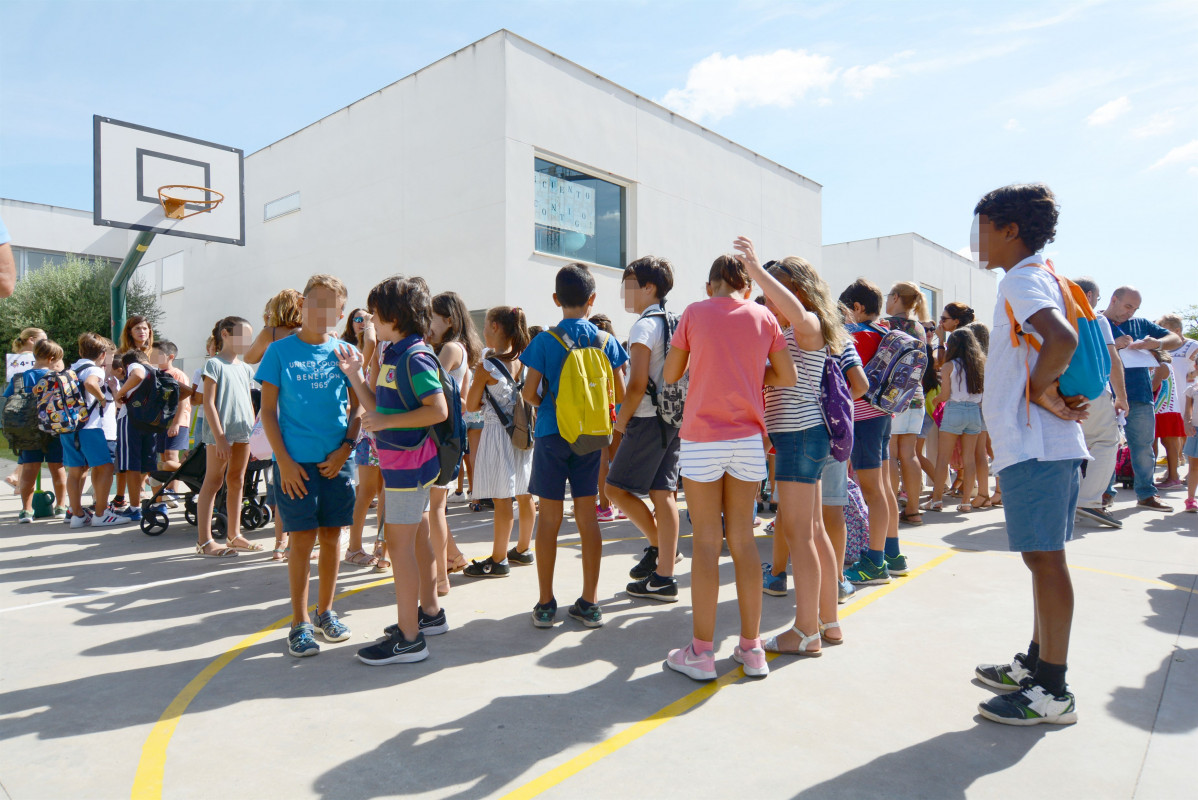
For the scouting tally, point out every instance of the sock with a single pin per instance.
(749, 644)
(1033, 657)
(876, 556)
(892, 547)
(660, 579)
(700, 647)
(583, 605)
(1051, 677)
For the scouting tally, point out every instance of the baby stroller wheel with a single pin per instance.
(189, 510)
(267, 515)
(154, 522)
(251, 516)
(220, 526)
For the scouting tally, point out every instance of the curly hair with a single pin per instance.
(1031, 206)
(284, 311)
(404, 303)
(812, 291)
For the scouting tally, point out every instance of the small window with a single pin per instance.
(930, 298)
(172, 272)
(578, 216)
(146, 275)
(284, 205)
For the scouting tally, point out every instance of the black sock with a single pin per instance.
(583, 605)
(1033, 657)
(1051, 677)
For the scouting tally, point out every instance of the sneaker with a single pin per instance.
(655, 587)
(25, 516)
(1107, 500)
(1003, 676)
(108, 518)
(1169, 484)
(516, 558)
(487, 568)
(301, 642)
(619, 514)
(80, 522)
(1098, 515)
(772, 584)
(1154, 503)
(646, 566)
(60, 512)
(1192, 506)
(865, 573)
(334, 630)
(131, 514)
(592, 617)
(1031, 705)
(430, 624)
(845, 592)
(698, 667)
(753, 661)
(458, 498)
(543, 614)
(897, 565)
(394, 650)
(118, 504)
(605, 514)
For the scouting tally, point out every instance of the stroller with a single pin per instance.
(255, 513)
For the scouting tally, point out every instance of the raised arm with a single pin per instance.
(808, 333)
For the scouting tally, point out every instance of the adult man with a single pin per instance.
(1135, 339)
(1101, 428)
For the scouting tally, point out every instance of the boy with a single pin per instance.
(47, 357)
(310, 416)
(176, 437)
(135, 448)
(553, 462)
(647, 459)
(88, 448)
(1038, 446)
(871, 448)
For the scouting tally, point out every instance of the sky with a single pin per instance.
(906, 112)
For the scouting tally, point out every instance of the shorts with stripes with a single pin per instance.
(135, 449)
(705, 462)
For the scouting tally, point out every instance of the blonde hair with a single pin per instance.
(1172, 322)
(26, 336)
(801, 278)
(329, 282)
(912, 299)
(47, 351)
(283, 310)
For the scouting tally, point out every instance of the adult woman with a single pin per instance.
(906, 310)
(282, 317)
(952, 317)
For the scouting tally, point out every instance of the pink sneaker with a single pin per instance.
(605, 514)
(699, 667)
(1192, 506)
(752, 660)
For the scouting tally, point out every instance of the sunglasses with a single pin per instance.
(359, 319)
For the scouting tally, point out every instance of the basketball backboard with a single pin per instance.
(133, 161)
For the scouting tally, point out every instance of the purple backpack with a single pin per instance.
(856, 520)
(895, 372)
(835, 406)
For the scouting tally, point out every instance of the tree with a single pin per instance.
(1189, 321)
(70, 300)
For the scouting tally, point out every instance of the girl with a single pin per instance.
(813, 329)
(359, 332)
(502, 471)
(962, 380)
(459, 350)
(906, 310)
(733, 347)
(230, 415)
(45, 354)
(1170, 427)
(282, 317)
(984, 452)
(1190, 417)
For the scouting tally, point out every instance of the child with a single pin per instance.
(45, 354)
(310, 416)
(89, 448)
(646, 462)
(407, 401)
(366, 456)
(1190, 451)
(501, 472)
(16, 362)
(906, 311)
(196, 399)
(176, 438)
(733, 347)
(604, 510)
(553, 462)
(282, 317)
(1038, 446)
(135, 448)
(962, 378)
(229, 409)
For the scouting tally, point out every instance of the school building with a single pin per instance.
(487, 171)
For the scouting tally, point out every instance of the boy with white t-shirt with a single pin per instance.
(87, 448)
(1038, 445)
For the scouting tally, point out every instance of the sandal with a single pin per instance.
(360, 558)
(224, 552)
(827, 627)
(770, 645)
(383, 566)
(442, 587)
(932, 505)
(279, 553)
(964, 508)
(458, 564)
(996, 499)
(248, 547)
(911, 519)
(985, 501)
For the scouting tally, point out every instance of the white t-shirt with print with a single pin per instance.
(1014, 436)
(86, 369)
(650, 332)
(1180, 366)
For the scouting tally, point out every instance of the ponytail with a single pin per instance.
(514, 324)
(731, 271)
(226, 325)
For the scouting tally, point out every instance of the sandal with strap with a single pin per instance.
(279, 553)
(996, 499)
(985, 498)
(248, 547)
(911, 519)
(827, 626)
(770, 645)
(933, 505)
(458, 564)
(964, 508)
(224, 552)
(360, 558)
(383, 566)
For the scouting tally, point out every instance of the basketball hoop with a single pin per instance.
(175, 205)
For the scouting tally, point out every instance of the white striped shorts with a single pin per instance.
(705, 462)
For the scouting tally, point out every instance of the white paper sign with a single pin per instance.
(563, 204)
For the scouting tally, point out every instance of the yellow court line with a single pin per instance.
(638, 729)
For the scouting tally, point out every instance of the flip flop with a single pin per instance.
(224, 552)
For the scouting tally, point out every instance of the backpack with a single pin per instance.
(521, 425)
(61, 406)
(895, 372)
(856, 521)
(585, 399)
(1090, 367)
(835, 406)
(450, 434)
(152, 405)
(669, 400)
(21, 420)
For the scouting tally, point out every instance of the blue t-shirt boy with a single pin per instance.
(546, 355)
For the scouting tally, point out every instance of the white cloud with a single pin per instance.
(1155, 125)
(1179, 155)
(1108, 112)
(1013, 125)
(719, 84)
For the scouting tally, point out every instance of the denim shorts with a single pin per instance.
(51, 455)
(929, 425)
(329, 502)
(554, 463)
(1033, 491)
(871, 443)
(800, 455)
(962, 417)
(908, 422)
(834, 483)
(1190, 450)
(179, 441)
(92, 450)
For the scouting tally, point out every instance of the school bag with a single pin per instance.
(1090, 367)
(856, 521)
(152, 405)
(836, 404)
(21, 420)
(585, 399)
(61, 406)
(450, 434)
(521, 423)
(669, 400)
(895, 373)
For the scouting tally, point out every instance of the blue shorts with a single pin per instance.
(1033, 491)
(329, 502)
(871, 443)
(92, 451)
(962, 417)
(553, 463)
(134, 448)
(181, 441)
(52, 454)
(1190, 450)
(800, 455)
(834, 483)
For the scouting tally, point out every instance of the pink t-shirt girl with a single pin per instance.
(729, 341)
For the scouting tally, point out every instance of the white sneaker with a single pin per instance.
(458, 498)
(109, 518)
(81, 522)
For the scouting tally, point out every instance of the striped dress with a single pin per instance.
(500, 470)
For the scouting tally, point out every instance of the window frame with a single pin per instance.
(625, 186)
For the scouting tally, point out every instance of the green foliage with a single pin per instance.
(70, 300)
(1189, 321)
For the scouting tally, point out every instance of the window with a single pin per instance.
(32, 260)
(929, 297)
(578, 216)
(284, 205)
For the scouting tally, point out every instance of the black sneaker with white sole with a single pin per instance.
(1099, 515)
(655, 587)
(519, 559)
(430, 624)
(648, 564)
(394, 650)
(487, 568)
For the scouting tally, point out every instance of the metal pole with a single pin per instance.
(120, 282)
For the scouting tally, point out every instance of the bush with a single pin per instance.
(70, 300)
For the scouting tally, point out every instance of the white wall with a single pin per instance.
(66, 230)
